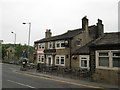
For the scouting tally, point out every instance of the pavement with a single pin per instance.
(67, 80)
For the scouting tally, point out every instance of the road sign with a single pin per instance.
(23, 55)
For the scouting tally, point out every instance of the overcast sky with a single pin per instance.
(57, 15)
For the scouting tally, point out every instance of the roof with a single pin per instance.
(69, 34)
(107, 39)
(83, 50)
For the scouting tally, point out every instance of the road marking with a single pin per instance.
(90, 86)
(21, 84)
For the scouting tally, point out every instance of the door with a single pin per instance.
(49, 60)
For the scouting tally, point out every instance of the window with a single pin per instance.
(57, 59)
(108, 59)
(84, 61)
(78, 42)
(41, 46)
(50, 45)
(116, 59)
(60, 44)
(60, 60)
(57, 44)
(103, 59)
(40, 58)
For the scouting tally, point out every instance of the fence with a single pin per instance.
(76, 73)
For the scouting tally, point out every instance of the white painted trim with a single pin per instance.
(110, 60)
(60, 60)
(40, 59)
(51, 59)
(87, 61)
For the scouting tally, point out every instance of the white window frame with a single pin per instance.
(110, 59)
(86, 56)
(59, 44)
(60, 60)
(51, 59)
(64, 61)
(56, 61)
(40, 58)
(49, 45)
(42, 45)
(115, 57)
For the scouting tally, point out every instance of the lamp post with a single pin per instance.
(28, 37)
(14, 46)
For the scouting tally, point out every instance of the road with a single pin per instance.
(13, 79)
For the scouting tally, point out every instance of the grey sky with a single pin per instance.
(57, 15)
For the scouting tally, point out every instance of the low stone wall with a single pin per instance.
(107, 76)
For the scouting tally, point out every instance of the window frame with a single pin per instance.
(77, 41)
(41, 46)
(59, 42)
(86, 56)
(40, 58)
(110, 59)
(60, 60)
(115, 57)
(49, 45)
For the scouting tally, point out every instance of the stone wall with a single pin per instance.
(107, 76)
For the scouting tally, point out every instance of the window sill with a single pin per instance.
(108, 68)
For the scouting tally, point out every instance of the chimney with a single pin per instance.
(48, 33)
(85, 24)
(100, 28)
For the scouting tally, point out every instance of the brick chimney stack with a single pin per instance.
(85, 24)
(48, 33)
(100, 28)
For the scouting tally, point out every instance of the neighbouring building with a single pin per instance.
(105, 58)
(58, 50)
(10, 53)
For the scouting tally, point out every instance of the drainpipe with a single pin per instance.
(70, 54)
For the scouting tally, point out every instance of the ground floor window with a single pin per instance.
(40, 58)
(84, 61)
(60, 60)
(107, 59)
(116, 59)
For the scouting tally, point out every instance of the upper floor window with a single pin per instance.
(78, 42)
(41, 46)
(60, 44)
(50, 45)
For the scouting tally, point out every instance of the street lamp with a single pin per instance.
(28, 37)
(14, 46)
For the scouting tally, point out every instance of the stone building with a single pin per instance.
(58, 50)
(10, 53)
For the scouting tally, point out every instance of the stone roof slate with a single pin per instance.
(67, 35)
(108, 39)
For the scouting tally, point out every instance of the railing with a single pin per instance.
(76, 72)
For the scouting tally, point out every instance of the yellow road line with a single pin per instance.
(59, 80)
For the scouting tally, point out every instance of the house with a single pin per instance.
(57, 50)
(105, 58)
(10, 53)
